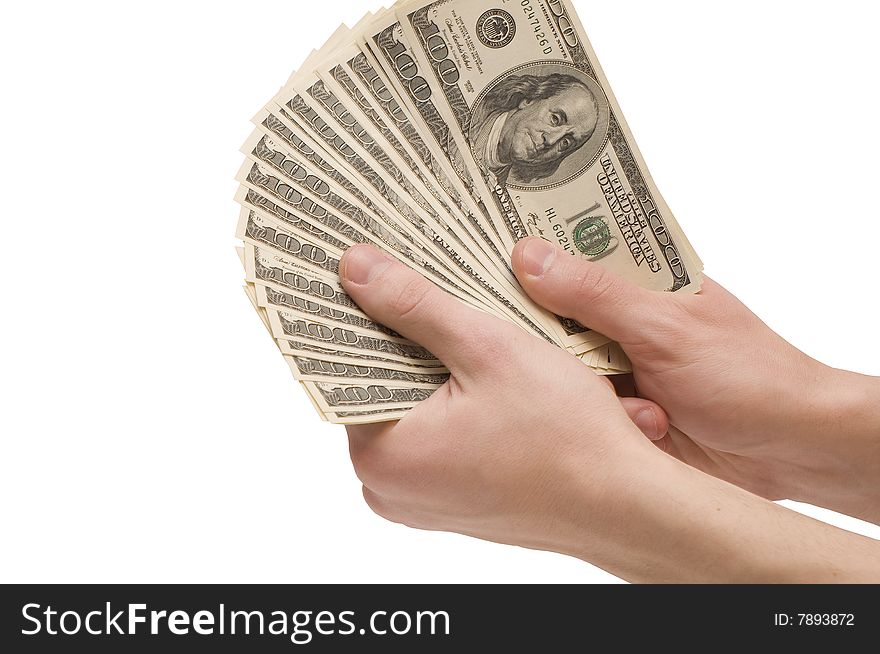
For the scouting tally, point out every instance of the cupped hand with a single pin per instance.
(523, 445)
(745, 405)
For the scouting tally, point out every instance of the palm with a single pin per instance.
(712, 449)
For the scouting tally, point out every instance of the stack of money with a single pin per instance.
(443, 133)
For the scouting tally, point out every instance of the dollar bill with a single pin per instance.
(314, 191)
(364, 417)
(317, 109)
(534, 113)
(265, 153)
(389, 45)
(337, 397)
(350, 417)
(365, 96)
(272, 298)
(442, 132)
(315, 369)
(291, 324)
(365, 85)
(254, 177)
(329, 350)
(307, 102)
(265, 267)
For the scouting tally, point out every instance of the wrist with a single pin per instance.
(672, 524)
(840, 445)
(676, 524)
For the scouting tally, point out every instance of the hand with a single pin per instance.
(525, 445)
(748, 406)
(520, 443)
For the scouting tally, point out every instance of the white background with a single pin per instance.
(150, 430)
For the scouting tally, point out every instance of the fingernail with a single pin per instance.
(537, 256)
(362, 263)
(647, 422)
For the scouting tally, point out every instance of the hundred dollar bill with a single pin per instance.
(291, 329)
(338, 397)
(284, 308)
(305, 306)
(315, 369)
(301, 253)
(318, 110)
(251, 201)
(261, 312)
(388, 45)
(370, 102)
(353, 417)
(340, 95)
(441, 131)
(287, 323)
(413, 225)
(278, 285)
(304, 155)
(306, 102)
(302, 350)
(288, 327)
(535, 114)
(398, 73)
(331, 354)
(491, 297)
(315, 106)
(256, 178)
(293, 183)
(272, 298)
(335, 345)
(364, 417)
(338, 99)
(328, 351)
(268, 267)
(265, 151)
(362, 82)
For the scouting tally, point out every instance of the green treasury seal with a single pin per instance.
(592, 236)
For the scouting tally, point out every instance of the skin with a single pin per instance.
(786, 427)
(568, 470)
(545, 130)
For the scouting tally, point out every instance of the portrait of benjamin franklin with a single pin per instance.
(527, 125)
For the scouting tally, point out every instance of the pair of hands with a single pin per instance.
(525, 445)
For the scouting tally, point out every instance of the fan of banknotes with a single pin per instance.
(442, 132)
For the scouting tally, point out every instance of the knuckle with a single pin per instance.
(410, 296)
(489, 340)
(673, 320)
(488, 343)
(667, 325)
(378, 505)
(389, 469)
(591, 281)
(370, 467)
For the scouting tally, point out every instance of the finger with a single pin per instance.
(576, 288)
(405, 301)
(650, 418)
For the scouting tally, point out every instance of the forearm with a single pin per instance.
(677, 524)
(835, 458)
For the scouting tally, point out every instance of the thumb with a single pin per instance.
(649, 417)
(402, 299)
(573, 287)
